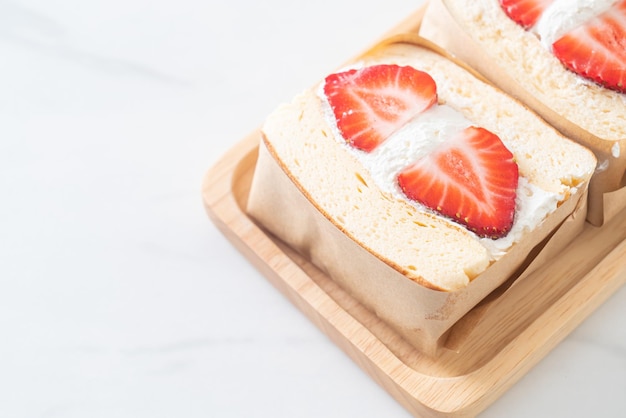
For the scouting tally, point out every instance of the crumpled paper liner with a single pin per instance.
(607, 194)
(422, 316)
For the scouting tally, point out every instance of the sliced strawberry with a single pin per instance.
(372, 103)
(525, 12)
(471, 178)
(596, 50)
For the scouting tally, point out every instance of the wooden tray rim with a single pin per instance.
(421, 394)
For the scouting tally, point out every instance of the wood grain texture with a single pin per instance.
(486, 353)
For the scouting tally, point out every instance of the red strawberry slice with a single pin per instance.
(525, 12)
(596, 50)
(471, 178)
(372, 103)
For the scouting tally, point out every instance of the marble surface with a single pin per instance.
(118, 297)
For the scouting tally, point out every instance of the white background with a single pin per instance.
(118, 297)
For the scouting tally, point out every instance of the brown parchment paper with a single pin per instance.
(605, 199)
(419, 314)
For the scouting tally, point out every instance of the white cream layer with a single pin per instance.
(564, 15)
(419, 137)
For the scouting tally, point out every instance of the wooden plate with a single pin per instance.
(487, 351)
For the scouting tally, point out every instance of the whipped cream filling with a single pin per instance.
(418, 138)
(615, 150)
(562, 16)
